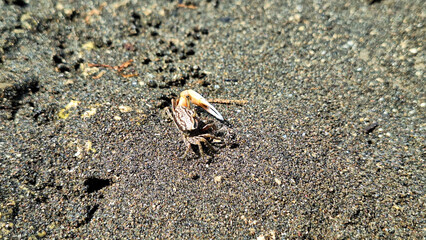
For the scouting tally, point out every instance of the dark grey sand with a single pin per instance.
(330, 145)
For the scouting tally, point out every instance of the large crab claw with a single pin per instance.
(191, 95)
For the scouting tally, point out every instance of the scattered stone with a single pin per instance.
(125, 109)
(277, 181)
(218, 179)
(413, 50)
(370, 128)
(152, 83)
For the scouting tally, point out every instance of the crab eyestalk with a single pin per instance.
(190, 95)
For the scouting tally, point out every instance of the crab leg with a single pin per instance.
(191, 95)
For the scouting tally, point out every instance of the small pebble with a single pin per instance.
(152, 83)
(277, 181)
(124, 109)
(218, 179)
(41, 234)
(413, 50)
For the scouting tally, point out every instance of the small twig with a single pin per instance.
(228, 101)
(130, 75)
(123, 66)
(189, 6)
(119, 69)
(99, 75)
(100, 65)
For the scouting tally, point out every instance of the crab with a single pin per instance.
(194, 130)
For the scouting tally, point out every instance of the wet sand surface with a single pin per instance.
(324, 102)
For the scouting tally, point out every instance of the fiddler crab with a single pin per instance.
(194, 130)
